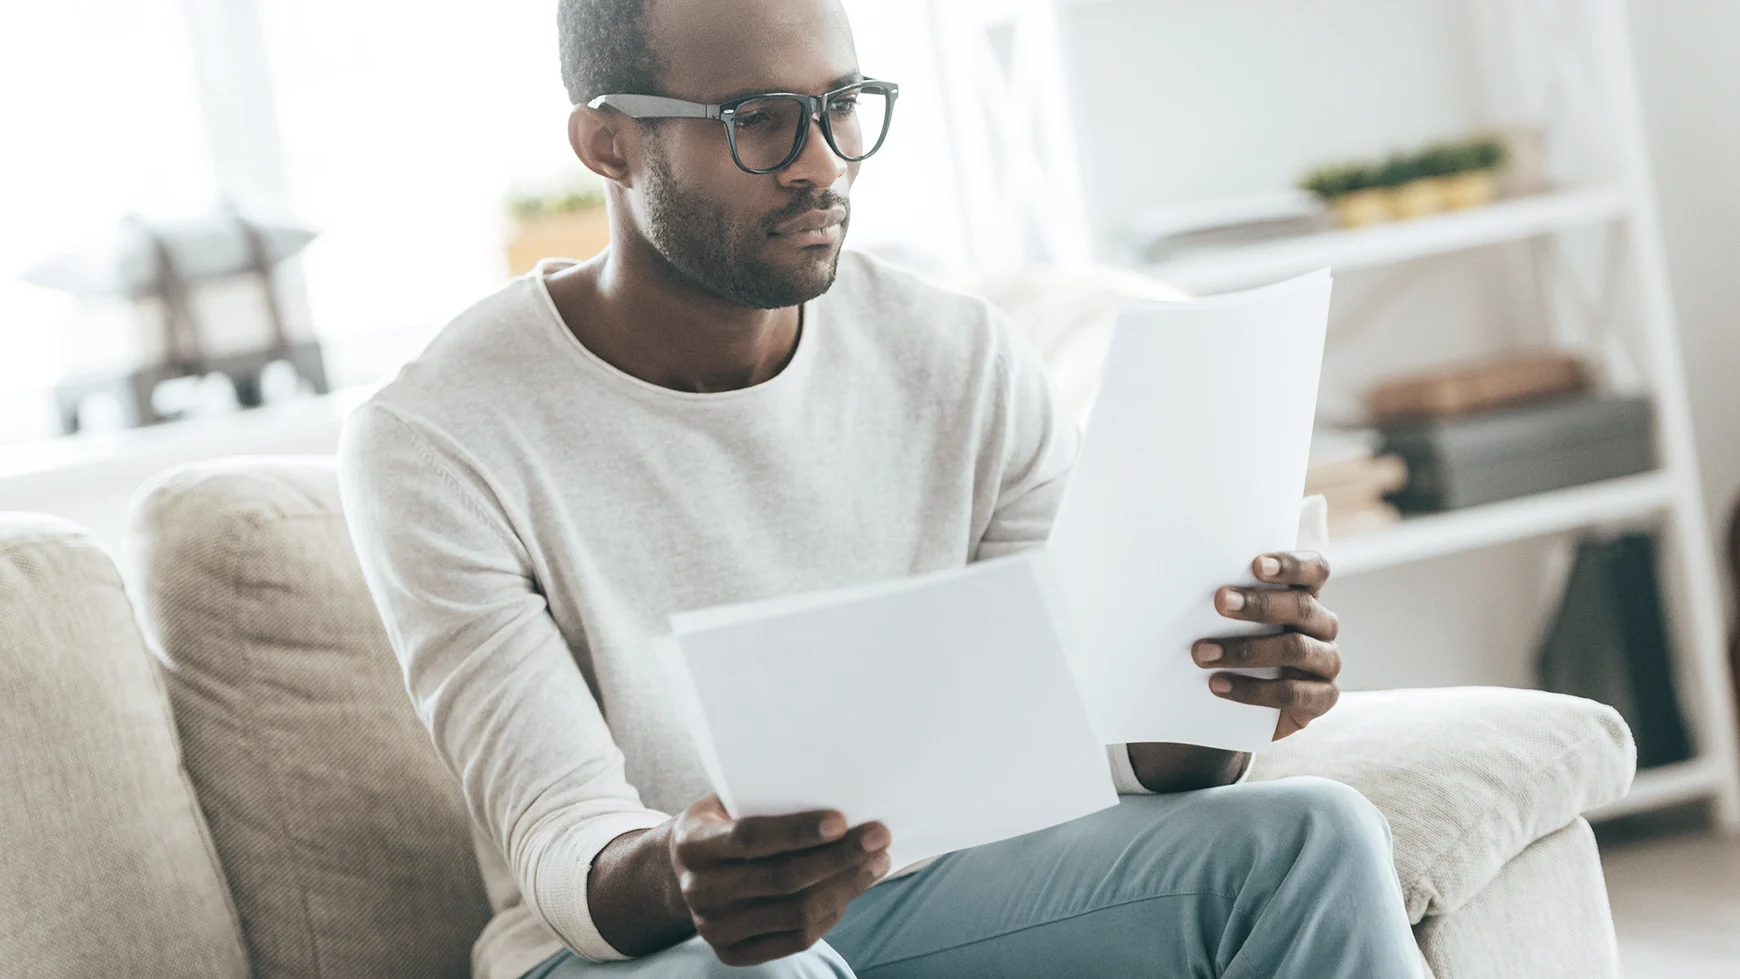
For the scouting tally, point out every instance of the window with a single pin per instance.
(405, 125)
(101, 119)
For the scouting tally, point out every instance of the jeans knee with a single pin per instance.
(1332, 815)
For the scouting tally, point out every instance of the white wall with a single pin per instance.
(1184, 100)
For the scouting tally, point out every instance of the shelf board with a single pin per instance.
(1420, 538)
(1238, 267)
(1668, 785)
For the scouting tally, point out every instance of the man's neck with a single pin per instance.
(633, 314)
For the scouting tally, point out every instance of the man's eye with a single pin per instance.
(844, 106)
(751, 120)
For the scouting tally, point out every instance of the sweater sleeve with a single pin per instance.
(1031, 447)
(491, 676)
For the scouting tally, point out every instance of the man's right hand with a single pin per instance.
(765, 887)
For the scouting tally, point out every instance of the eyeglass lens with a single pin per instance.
(766, 131)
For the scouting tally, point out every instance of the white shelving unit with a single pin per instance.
(1391, 244)
(1423, 538)
(1009, 82)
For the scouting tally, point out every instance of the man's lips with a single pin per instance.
(810, 221)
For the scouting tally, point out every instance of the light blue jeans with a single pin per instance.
(1269, 880)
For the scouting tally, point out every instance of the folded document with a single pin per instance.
(941, 705)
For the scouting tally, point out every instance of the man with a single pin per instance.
(724, 407)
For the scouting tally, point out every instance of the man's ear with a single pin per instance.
(603, 140)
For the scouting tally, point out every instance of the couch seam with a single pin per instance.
(185, 777)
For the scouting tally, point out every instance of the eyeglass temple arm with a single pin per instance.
(655, 107)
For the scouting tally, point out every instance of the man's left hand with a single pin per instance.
(1305, 651)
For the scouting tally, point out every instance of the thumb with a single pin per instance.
(709, 809)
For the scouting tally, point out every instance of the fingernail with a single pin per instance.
(1208, 653)
(1269, 567)
(1220, 684)
(832, 828)
(876, 838)
(879, 864)
(1234, 600)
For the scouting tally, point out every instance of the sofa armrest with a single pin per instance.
(1468, 777)
(1545, 916)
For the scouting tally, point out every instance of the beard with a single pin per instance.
(724, 257)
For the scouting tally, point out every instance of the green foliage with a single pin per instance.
(1437, 160)
(1488, 153)
(1398, 170)
(1444, 159)
(1332, 182)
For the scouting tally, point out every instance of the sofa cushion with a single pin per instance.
(1545, 916)
(106, 868)
(346, 840)
(1468, 777)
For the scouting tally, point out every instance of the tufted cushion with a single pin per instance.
(105, 865)
(346, 841)
(1468, 777)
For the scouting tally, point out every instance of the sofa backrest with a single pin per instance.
(106, 868)
(345, 838)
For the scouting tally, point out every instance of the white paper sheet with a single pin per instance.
(942, 705)
(1192, 465)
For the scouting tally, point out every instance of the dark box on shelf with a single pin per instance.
(1512, 452)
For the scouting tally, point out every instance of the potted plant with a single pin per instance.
(1412, 191)
(1475, 181)
(1352, 191)
(1442, 177)
(566, 220)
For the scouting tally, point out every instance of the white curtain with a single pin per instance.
(100, 118)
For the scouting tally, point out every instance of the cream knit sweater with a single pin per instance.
(528, 516)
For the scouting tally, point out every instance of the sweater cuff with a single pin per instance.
(561, 894)
(1124, 773)
(1245, 773)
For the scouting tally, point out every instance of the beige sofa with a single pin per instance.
(239, 787)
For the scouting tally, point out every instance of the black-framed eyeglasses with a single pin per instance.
(769, 130)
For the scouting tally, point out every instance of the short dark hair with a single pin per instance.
(604, 49)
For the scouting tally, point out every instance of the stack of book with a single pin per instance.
(1348, 472)
(1525, 423)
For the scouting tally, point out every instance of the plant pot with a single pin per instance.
(577, 235)
(1470, 189)
(1361, 208)
(1417, 198)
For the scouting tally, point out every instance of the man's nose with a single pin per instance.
(818, 164)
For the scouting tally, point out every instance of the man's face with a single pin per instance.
(764, 241)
